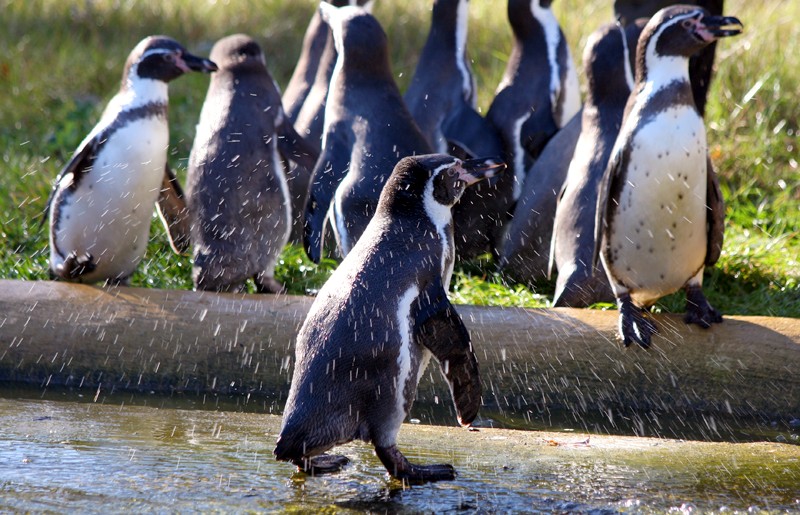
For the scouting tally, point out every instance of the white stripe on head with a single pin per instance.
(441, 216)
(552, 35)
(662, 70)
(626, 57)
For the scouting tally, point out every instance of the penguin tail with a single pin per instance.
(74, 266)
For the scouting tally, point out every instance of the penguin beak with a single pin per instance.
(711, 28)
(474, 170)
(188, 62)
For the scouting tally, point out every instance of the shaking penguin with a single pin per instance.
(102, 201)
(660, 211)
(238, 195)
(376, 322)
(367, 130)
(608, 64)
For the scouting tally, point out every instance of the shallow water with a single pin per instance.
(92, 457)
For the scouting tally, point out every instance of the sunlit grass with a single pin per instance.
(62, 61)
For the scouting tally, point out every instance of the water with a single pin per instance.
(94, 457)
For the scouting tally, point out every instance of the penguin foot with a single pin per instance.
(268, 285)
(635, 324)
(322, 464)
(698, 310)
(400, 468)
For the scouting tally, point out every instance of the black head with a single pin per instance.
(434, 182)
(358, 37)
(609, 61)
(164, 59)
(521, 16)
(683, 30)
(240, 53)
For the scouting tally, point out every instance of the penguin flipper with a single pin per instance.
(330, 169)
(294, 147)
(715, 220)
(536, 132)
(472, 132)
(441, 330)
(603, 194)
(173, 212)
(79, 164)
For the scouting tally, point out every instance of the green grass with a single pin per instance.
(62, 62)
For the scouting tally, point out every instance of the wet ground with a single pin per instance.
(92, 457)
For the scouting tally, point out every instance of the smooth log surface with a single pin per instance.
(533, 362)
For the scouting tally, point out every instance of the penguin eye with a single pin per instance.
(169, 57)
(686, 24)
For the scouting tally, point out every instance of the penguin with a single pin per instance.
(367, 129)
(309, 120)
(701, 64)
(525, 250)
(376, 322)
(660, 211)
(102, 201)
(608, 63)
(539, 92)
(442, 98)
(310, 61)
(238, 194)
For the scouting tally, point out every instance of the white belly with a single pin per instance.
(109, 215)
(658, 240)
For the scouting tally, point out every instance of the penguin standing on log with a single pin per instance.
(102, 201)
(376, 322)
(367, 130)
(660, 211)
(238, 194)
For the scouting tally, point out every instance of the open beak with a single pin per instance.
(188, 62)
(474, 170)
(714, 27)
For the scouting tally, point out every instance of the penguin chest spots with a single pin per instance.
(658, 235)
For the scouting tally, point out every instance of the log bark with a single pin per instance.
(534, 362)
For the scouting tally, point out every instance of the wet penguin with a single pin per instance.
(238, 195)
(660, 212)
(442, 99)
(367, 130)
(102, 202)
(539, 92)
(608, 67)
(376, 322)
(701, 64)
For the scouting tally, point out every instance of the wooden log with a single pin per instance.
(535, 363)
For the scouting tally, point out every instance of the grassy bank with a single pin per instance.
(63, 61)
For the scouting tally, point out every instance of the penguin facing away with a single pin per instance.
(700, 64)
(238, 195)
(102, 201)
(310, 61)
(367, 130)
(539, 92)
(660, 212)
(376, 322)
(608, 68)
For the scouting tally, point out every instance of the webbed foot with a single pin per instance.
(635, 324)
(399, 467)
(322, 464)
(698, 310)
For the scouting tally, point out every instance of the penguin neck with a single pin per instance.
(449, 28)
(137, 92)
(441, 217)
(661, 72)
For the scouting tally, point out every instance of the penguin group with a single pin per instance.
(614, 193)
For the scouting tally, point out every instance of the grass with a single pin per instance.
(62, 62)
